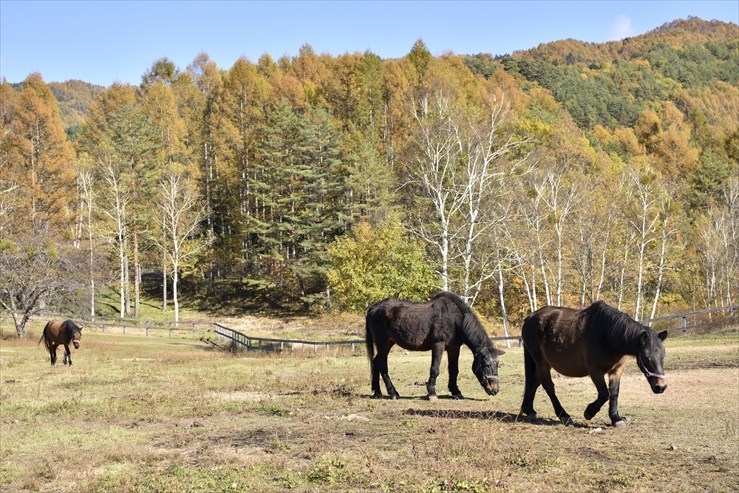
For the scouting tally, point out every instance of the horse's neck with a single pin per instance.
(474, 337)
(626, 340)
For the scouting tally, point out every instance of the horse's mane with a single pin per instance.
(472, 330)
(620, 329)
(71, 329)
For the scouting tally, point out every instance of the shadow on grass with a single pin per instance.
(496, 415)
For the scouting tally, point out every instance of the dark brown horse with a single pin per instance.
(444, 323)
(591, 342)
(56, 333)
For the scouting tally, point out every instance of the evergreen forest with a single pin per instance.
(563, 174)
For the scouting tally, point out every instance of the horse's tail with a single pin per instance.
(44, 337)
(368, 340)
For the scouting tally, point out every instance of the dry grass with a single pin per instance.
(156, 414)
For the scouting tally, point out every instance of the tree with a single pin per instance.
(35, 273)
(643, 218)
(179, 202)
(40, 158)
(135, 140)
(373, 263)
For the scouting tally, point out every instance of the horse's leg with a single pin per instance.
(376, 392)
(52, 353)
(380, 365)
(545, 375)
(598, 379)
(614, 382)
(67, 355)
(452, 354)
(531, 386)
(437, 351)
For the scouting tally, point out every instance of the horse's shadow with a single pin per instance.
(486, 415)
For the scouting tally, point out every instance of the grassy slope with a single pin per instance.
(156, 414)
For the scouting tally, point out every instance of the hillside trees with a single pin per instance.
(566, 174)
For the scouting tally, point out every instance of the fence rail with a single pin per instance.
(684, 327)
(244, 342)
(126, 325)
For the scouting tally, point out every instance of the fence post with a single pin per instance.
(124, 326)
(147, 328)
(685, 325)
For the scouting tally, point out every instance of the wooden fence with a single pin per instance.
(194, 330)
(684, 323)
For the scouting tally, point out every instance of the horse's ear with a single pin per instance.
(662, 335)
(500, 352)
(643, 336)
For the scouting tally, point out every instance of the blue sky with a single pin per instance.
(107, 41)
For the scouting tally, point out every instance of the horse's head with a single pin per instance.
(485, 368)
(75, 333)
(650, 357)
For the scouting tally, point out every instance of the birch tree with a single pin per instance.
(559, 196)
(667, 233)
(87, 198)
(434, 169)
(643, 219)
(488, 157)
(116, 208)
(180, 204)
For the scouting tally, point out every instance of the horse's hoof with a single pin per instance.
(395, 397)
(566, 420)
(376, 396)
(459, 397)
(588, 416)
(619, 424)
(433, 398)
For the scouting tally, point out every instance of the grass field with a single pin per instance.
(157, 414)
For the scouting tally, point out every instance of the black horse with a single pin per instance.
(56, 333)
(591, 342)
(444, 323)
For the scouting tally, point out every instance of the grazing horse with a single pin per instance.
(444, 323)
(56, 333)
(592, 342)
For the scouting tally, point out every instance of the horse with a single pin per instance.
(593, 342)
(443, 323)
(56, 333)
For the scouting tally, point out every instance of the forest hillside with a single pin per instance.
(561, 174)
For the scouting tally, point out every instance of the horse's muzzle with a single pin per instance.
(659, 385)
(492, 386)
(658, 389)
(76, 344)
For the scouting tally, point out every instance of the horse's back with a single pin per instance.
(415, 326)
(53, 330)
(556, 334)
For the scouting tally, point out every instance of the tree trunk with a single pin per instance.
(501, 300)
